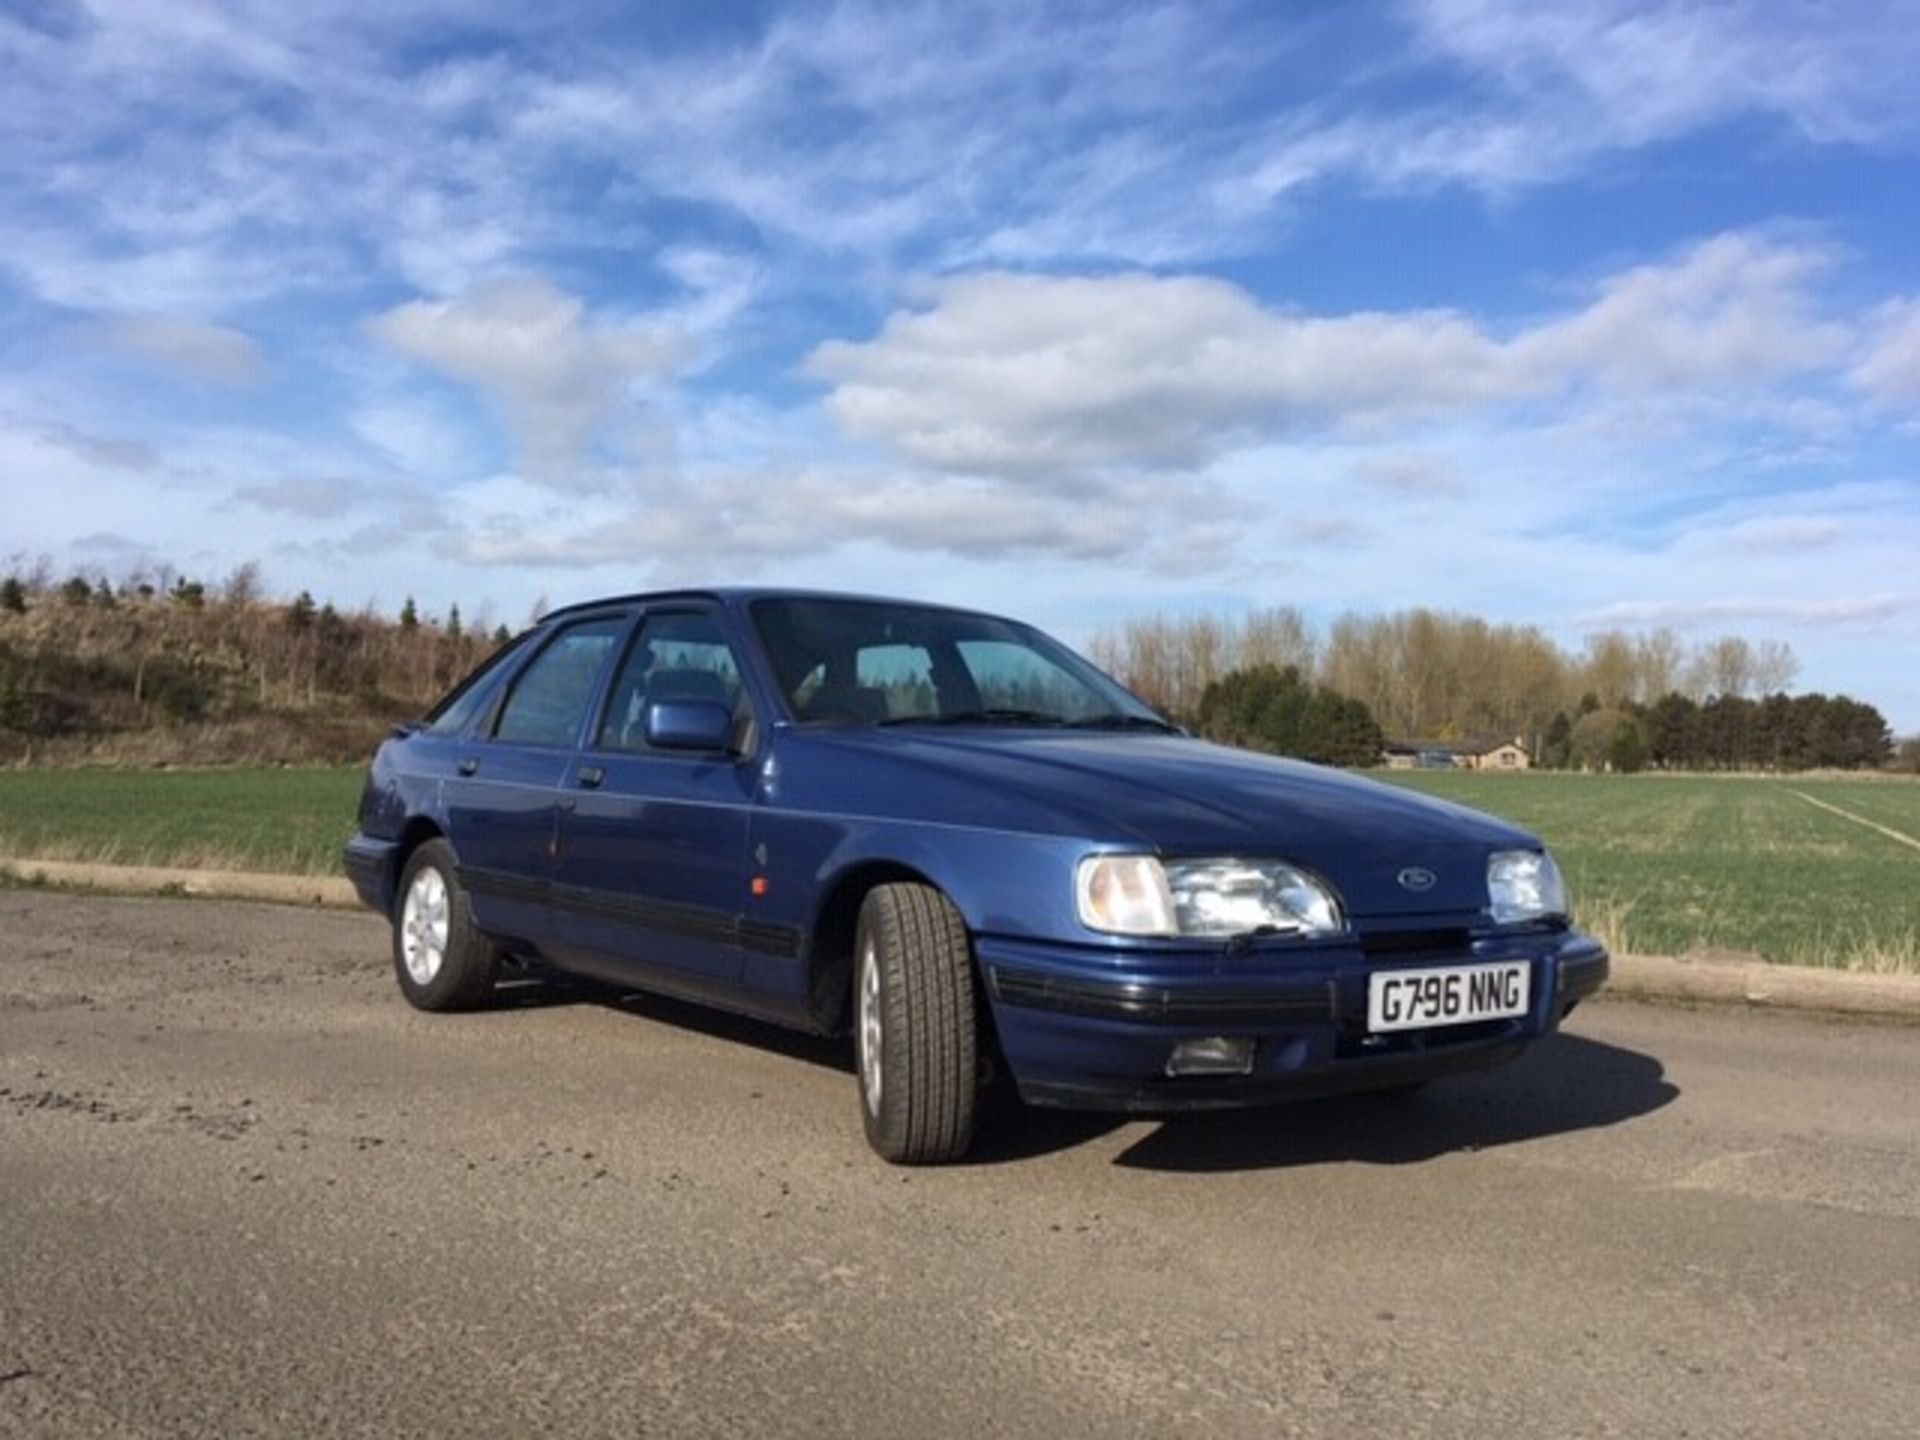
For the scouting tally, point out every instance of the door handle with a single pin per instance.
(590, 777)
(468, 765)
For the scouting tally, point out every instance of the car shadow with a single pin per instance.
(538, 989)
(1563, 1084)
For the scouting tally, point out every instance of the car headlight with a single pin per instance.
(1524, 885)
(1141, 895)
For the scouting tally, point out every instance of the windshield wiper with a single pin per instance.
(1119, 720)
(988, 716)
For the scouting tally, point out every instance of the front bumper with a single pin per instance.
(1093, 1029)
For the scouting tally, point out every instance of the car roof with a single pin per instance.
(745, 594)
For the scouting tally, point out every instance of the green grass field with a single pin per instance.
(291, 820)
(1658, 864)
(1664, 864)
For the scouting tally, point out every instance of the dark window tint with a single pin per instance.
(457, 711)
(550, 698)
(868, 662)
(679, 655)
(1016, 676)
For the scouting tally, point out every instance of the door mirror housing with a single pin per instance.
(689, 725)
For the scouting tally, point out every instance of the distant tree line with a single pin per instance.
(1428, 675)
(1626, 701)
(1728, 732)
(1265, 707)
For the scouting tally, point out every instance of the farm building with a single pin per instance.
(1476, 754)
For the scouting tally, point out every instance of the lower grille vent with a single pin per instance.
(1389, 944)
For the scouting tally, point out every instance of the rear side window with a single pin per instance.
(467, 699)
(549, 700)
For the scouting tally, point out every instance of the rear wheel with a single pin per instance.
(440, 958)
(914, 1027)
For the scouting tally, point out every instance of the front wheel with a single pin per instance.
(914, 1025)
(440, 958)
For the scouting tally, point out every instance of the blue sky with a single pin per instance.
(1583, 314)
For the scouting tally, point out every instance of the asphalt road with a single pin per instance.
(245, 1191)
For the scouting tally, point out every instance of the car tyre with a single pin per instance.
(914, 1025)
(440, 958)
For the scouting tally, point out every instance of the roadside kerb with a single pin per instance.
(1723, 980)
(331, 890)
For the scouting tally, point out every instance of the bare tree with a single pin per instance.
(1612, 669)
(1775, 667)
(1660, 657)
(1279, 637)
(1723, 667)
(242, 588)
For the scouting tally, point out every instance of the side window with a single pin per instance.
(678, 655)
(550, 698)
(470, 697)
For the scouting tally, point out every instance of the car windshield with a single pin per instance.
(867, 662)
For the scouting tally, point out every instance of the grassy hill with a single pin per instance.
(145, 676)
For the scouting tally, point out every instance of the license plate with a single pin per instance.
(1455, 995)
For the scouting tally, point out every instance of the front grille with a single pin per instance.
(1405, 944)
(1355, 1046)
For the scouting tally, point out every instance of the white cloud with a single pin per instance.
(1844, 610)
(413, 433)
(197, 157)
(750, 518)
(310, 497)
(193, 349)
(1890, 369)
(1051, 375)
(105, 451)
(1411, 474)
(1571, 78)
(561, 377)
(1334, 530)
(1781, 532)
(1034, 374)
(1732, 311)
(1653, 69)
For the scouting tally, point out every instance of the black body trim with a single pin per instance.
(1581, 975)
(1160, 1005)
(1162, 1096)
(503, 885)
(765, 939)
(369, 865)
(696, 922)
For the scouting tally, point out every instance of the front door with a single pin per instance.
(651, 873)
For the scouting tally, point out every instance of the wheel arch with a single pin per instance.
(415, 833)
(830, 938)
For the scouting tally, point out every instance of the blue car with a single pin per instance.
(949, 835)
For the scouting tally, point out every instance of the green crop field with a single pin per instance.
(1663, 864)
(289, 820)
(1658, 864)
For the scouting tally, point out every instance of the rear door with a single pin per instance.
(651, 876)
(502, 800)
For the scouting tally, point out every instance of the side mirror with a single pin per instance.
(689, 725)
